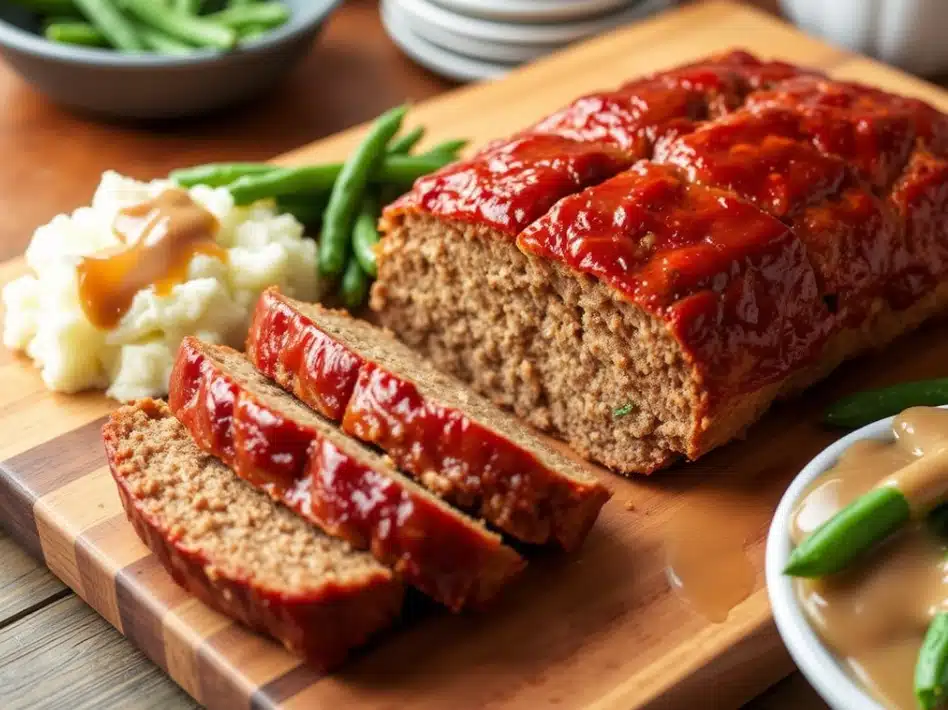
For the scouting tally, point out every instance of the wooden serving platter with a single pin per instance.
(602, 628)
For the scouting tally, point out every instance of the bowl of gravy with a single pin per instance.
(856, 635)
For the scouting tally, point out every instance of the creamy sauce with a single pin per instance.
(161, 234)
(874, 615)
(706, 561)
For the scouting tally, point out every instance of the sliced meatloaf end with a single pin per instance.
(282, 446)
(455, 442)
(642, 320)
(239, 551)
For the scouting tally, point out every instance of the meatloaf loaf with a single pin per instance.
(284, 448)
(455, 442)
(756, 225)
(239, 551)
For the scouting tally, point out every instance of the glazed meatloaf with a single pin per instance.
(757, 225)
(236, 549)
(284, 448)
(455, 442)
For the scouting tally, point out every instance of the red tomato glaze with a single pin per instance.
(734, 283)
(476, 468)
(285, 347)
(761, 158)
(871, 111)
(471, 465)
(441, 553)
(513, 183)
(920, 198)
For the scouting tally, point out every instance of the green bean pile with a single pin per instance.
(341, 200)
(159, 26)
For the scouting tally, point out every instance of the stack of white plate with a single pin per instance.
(483, 39)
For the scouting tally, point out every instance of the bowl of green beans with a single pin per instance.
(850, 534)
(156, 59)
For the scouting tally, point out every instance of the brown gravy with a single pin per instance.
(874, 616)
(706, 561)
(161, 234)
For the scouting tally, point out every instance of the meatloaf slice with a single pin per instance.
(283, 447)
(454, 441)
(239, 551)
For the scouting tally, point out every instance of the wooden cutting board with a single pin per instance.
(602, 628)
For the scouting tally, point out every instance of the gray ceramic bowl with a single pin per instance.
(147, 86)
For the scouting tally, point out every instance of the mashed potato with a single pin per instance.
(44, 316)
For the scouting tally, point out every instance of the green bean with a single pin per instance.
(284, 181)
(347, 191)
(452, 147)
(268, 14)
(112, 24)
(254, 181)
(195, 30)
(251, 32)
(403, 144)
(80, 33)
(218, 174)
(365, 234)
(308, 209)
(405, 169)
(354, 286)
(190, 7)
(852, 531)
(866, 407)
(398, 169)
(931, 670)
(158, 41)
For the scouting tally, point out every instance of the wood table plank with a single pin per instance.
(25, 584)
(66, 656)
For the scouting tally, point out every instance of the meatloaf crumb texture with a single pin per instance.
(282, 446)
(239, 551)
(651, 315)
(458, 444)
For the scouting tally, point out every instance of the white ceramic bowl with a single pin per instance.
(431, 56)
(532, 10)
(907, 33)
(559, 33)
(830, 678)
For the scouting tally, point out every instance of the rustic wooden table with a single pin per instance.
(54, 650)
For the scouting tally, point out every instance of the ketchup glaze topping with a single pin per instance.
(509, 186)
(826, 200)
(734, 283)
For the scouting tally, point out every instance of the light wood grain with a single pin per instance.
(66, 656)
(597, 629)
